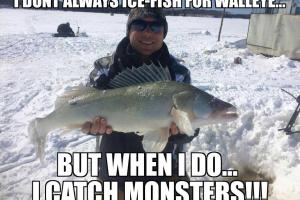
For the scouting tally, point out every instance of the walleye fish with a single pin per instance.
(143, 100)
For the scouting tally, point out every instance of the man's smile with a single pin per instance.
(146, 42)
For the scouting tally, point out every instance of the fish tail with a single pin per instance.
(37, 136)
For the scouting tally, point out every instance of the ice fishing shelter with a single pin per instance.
(276, 31)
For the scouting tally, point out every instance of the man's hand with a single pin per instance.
(98, 126)
(197, 130)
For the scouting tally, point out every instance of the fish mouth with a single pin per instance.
(222, 110)
(227, 114)
(230, 113)
(218, 116)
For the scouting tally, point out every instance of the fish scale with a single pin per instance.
(146, 108)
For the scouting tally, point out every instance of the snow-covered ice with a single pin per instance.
(35, 67)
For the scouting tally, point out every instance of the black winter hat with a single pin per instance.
(140, 13)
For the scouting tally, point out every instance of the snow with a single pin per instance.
(36, 67)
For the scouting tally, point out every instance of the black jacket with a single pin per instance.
(118, 142)
(176, 144)
(104, 70)
(125, 56)
(64, 30)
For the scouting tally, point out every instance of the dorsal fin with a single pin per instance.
(143, 74)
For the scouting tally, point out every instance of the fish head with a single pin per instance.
(222, 111)
(203, 108)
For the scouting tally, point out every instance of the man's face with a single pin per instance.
(146, 42)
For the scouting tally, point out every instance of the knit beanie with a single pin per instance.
(140, 13)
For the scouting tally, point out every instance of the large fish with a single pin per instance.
(143, 100)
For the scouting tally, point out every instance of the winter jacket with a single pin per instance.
(125, 56)
(176, 144)
(64, 30)
(118, 142)
(107, 68)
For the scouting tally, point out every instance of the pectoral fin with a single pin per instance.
(70, 127)
(182, 120)
(155, 141)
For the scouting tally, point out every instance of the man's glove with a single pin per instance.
(197, 130)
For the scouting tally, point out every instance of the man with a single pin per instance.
(146, 30)
(65, 30)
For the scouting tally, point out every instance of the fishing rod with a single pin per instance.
(289, 126)
(78, 27)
